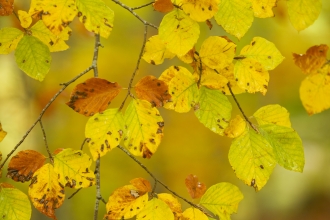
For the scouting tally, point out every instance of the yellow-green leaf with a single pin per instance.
(173, 203)
(252, 158)
(182, 87)
(178, 32)
(73, 168)
(104, 131)
(54, 42)
(200, 10)
(96, 16)
(144, 128)
(217, 52)
(9, 38)
(24, 18)
(236, 127)
(287, 146)
(273, 114)
(213, 110)
(33, 57)
(263, 8)
(155, 209)
(251, 76)
(2, 133)
(193, 214)
(222, 199)
(303, 13)
(228, 73)
(14, 204)
(211, 79)
(235, 16)
(155, 51)
(263, 51)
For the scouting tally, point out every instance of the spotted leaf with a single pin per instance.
(155, 209)
(9, 38)
(155, 51)
(200, 10)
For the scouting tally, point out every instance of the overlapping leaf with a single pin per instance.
(236, 127)
(194, 214)
(9, 38)
(73, 168)
(155, 51)
(6, 7)
(195, 188)
(263, 8)
(2, 133)
(155, 209)
(24, 18)
(173, 203)
(92, 96)
(144, 128)
(213, 80)
(14, 204)
(104, 131)
(273, 114)
(200, 10)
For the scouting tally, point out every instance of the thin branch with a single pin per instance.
(46, 144)
(136, 15)
(200, 72)
(142, 6)
(156, 180)
(246, 118)
(82, 145)
(98, 188)
(96, 54)
(73, 194)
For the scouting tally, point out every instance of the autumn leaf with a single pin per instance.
(24, 18)
(92, 96)
(45, 191)
(153, 90)
(163, 6)
(212, 79)
(6, 7)
(155, 51)
(193, 214)
(104, 131)
(228, 73)
(14, 204)
(200, 10)
(2, 133)
(263, 8)
(142, 185)
(24, 164)
(236, 127)
(173, 203)
(144, 128)
(155, 209)
(178, 32)
(195, 188)
(273, 114)
(313, 59)
(189, 57)
(9, 38)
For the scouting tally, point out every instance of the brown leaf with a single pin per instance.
(313, 60)
(22, 166)
(6, 7)
(142, 185)
(195, 189)
(93, 96)
(153, 90)
(163, 6)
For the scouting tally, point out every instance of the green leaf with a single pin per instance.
(9, 38)
(178, 32)
(155, 209)
(235, 16)
(252, 158)
(73, 168)
(222, 199)
(303, 13)
(287, 145)
(14, 204)
(263, 51)
(33, 57)
(96, 16)
(213, 110)
(144, 128)
(273, 114)
(104, 131)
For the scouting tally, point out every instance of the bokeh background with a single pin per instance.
(187, 147)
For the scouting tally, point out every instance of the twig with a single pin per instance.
(136, 15)
(96, 54)
(246, 118)
(73, 194)
(98, 188)
(156, 180)
(200, 72)
(82, 145)
(142, 6)
(46, 144)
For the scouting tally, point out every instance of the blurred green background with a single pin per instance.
(187, 147)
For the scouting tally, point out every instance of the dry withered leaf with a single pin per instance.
(23, 165)
(153, 90)
(163, 6)
(6, 7)
(195, 188)
(313, 60)
(142, 185)
(93, 96)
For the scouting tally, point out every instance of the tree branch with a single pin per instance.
(98, 188)
(142, 6)
(96, 54)
(46, 144)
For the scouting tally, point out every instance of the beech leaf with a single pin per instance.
(155, 209)
(195, 188)
(155, 51)
(24, 18)
(2, 133)
(9, 38)
(200, 10)
(263, 8)
(173, 203)
(194, 214)
(6, 7)
(163, 6)
(236, 127)
(273, 114)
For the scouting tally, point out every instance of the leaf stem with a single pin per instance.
(46, 144)
(142, 6)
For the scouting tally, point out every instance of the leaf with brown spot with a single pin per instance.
(6, 7)
(195, 188)
(313, 59)
(142, 185)
(93, 96)
(173, 203)
(163, 6)
(153, 90)
(23, 165)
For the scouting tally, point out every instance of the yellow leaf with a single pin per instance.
(178, 32)
(56, 15)
(182, 87)
(24, 18)
(263, 51)
(104, 131)
(188, 57)
(144, 128)
(211, 79)
(155, 51)
(217, 52)
(315, 91)
(200, 10)
(251, 76)
(263, 8)
(236, 127)
(45, 191)
(235, 16)
(155, 209)
(9, 38)
(173, 203)
(193, 214)
(2, 133)
(96, 16)
(303, 13)
(273, 114)
(54, 42)
(228, 73)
